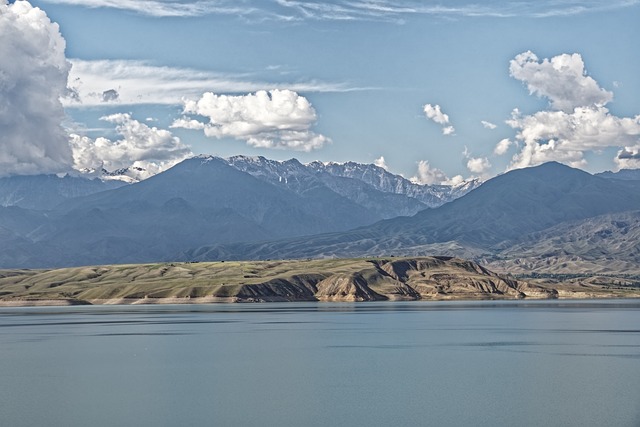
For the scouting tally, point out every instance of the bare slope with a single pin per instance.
(312, 280)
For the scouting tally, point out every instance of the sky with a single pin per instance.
(438, 91)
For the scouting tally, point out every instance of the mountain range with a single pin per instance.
(208, 208)
(201, 201)
(482, 225)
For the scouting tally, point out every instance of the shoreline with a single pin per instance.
(235, 300)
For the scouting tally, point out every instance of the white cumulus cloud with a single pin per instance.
(434, 112)
(478, 165)
(140, 146)
(578, 121)
(428, 175)
(33, 76)
(562, 79)
(275, 119)
(502, 147)
(561, 136)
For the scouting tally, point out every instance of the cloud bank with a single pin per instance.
(33, 76)
(275, 119)
(434, 113)
(577, 121)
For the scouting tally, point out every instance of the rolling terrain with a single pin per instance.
(310, 280)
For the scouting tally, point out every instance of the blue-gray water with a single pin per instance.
(549, 363)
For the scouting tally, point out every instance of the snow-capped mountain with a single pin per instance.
(292, 173)
(383, 180)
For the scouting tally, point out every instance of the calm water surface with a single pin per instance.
(557, 363)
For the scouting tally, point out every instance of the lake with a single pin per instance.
(505, 363)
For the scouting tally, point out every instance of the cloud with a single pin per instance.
(381, 163)
(434, 112)
(275, 119)
(140, 82)
(396, 11)
(502, 147)
(140, 146)
(562, 79)
(488, 125)
(565, 137)
(478, 165)
(33, 76)
(578, 121)
(428, 175)
(110, 95)
(165, 8)
(628, 157)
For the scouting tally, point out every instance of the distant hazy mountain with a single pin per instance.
(199, 201)
(623, 174)
(208, 208)
(483, 221)
(600, 244)
(43, 192)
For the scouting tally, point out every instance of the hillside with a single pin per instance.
(603, 244)
(312, 280)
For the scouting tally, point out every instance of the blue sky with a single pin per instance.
(354, 77)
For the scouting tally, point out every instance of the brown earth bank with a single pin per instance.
(370, 279)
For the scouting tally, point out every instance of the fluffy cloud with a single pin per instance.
(433, 112)
(560, 136)
(33, 76)
(428, 175)
(502, 147)
(142, 147)
(276, 119)
(578, 122)
(562, 79)
(478, 165)
(381, 163)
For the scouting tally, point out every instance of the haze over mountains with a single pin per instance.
(208, 208)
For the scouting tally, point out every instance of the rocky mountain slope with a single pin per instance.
(305, 180)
